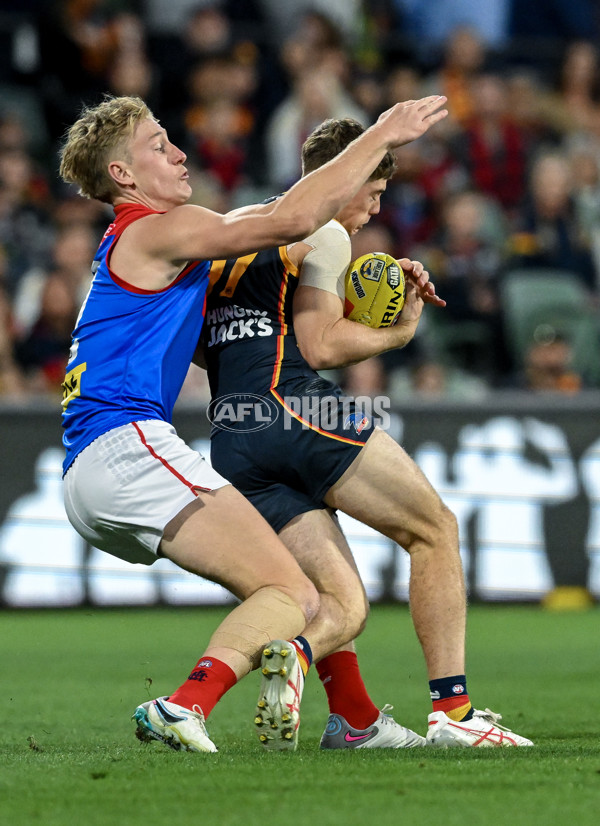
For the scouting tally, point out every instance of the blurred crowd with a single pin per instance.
(505, 190)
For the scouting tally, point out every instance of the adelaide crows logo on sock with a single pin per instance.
(356, 420)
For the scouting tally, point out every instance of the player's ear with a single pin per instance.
(120, 173)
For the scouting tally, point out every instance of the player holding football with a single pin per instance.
(274, 318)
(132, 487)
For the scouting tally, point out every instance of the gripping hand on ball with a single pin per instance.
(417, 282)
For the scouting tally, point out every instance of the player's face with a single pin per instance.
(363, 206)
(161, 180)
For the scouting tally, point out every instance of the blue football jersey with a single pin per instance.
(131, 348)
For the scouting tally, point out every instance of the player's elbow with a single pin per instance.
(317, 362)
(322, 362)
(319, 356)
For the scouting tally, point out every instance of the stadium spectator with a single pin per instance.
(572, 105)
(317, 62)
(375, 237)
(585, 167)
(78, 40)
(426, 176)
(429, 379)
(365, 378)
(219, 120)
(69, 258)
(368, 87)
(408, 209)
(26, 227)
(11, 383)
(233, 33)
(464, 57)
(492, 147)
(43, 352)
(547, 230)
(467, 258)
(525, 93)
(131, 73)
(335, 18)
(549, 367)
(13, 134)
(174, 17)
(317, 94)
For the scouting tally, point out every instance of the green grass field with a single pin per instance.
(71, 679)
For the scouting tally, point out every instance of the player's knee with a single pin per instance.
(448, 526)
(438, 528)
(308, 600)
(442, 528)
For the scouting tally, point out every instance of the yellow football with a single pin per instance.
(375, 290)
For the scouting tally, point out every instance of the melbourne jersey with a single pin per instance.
(131, 348)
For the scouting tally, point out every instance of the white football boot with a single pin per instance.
(384, 733)
(277, 716)
(482, 730)
(174, 725)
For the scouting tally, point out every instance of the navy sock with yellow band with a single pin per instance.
(449, 694)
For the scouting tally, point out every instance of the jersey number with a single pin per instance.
(239, 268)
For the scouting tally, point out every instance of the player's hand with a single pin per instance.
(410, 119)
(417, 281)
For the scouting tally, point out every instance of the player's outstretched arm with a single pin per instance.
(192, 232)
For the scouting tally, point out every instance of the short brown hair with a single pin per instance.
(331, 138)
(91, 142)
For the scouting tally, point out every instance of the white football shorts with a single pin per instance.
(126, 486)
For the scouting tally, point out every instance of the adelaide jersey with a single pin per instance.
(248, 337)
(131, 348)
(281, 433)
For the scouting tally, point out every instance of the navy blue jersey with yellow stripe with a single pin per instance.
(248, 335)
(269, 436)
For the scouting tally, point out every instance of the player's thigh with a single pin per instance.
(320, 547)
(222, 537)
(385, 489)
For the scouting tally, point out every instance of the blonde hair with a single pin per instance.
(93, 140)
